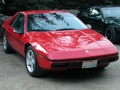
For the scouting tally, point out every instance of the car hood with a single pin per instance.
(73, 44)
(114, 21)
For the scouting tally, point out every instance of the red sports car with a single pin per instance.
(55, 40)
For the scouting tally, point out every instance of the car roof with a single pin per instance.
(106, 7)
(110, 8)
(28, 12)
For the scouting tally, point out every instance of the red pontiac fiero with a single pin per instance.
(55, 40)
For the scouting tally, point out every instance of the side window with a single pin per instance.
(94, 12)
(12, 23)
(18, 22)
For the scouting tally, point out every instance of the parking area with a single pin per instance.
(13, 76)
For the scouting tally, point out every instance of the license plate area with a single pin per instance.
(89, 64)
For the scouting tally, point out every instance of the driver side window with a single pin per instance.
(18, 23)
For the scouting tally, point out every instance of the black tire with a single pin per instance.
(31, 63)
(110, 34)
(6, 47)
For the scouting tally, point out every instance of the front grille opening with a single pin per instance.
(70, 64)
(62, 65)
(59, 65)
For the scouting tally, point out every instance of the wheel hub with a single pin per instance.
(30, 60)
(4, 42)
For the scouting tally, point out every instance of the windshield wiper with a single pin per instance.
(65, 29)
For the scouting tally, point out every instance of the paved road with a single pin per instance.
(13, 76)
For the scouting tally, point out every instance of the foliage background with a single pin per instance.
(12, 6)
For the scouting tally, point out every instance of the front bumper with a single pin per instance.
(67, 64)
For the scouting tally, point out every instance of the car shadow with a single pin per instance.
(0, 40)
(74, 75)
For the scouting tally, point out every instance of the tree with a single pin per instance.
(12, 6)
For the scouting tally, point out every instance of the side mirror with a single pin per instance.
(88, 26)
(18, 31)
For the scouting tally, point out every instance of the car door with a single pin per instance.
(17, 36)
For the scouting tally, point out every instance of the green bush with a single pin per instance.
(12, 6)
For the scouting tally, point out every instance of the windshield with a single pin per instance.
(111, 12)
(54, 21)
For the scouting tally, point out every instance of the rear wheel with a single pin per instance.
(6, 47)
(32, 64)
(110, 34)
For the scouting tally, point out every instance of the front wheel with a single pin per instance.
(32, 64)
(110, 34)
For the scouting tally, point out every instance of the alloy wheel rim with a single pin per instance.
(108, 34)
(4, 42)
(30, 61)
